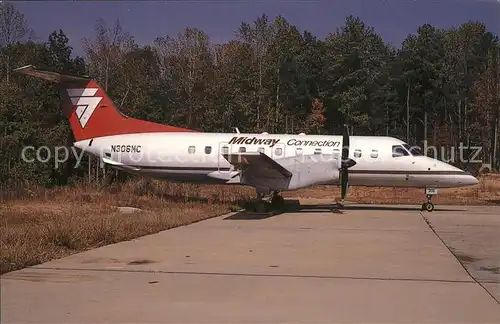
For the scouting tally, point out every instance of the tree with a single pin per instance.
(422, 63)
(486, 107)
(30, 112)
(13, 29)
(233, 101)
(106, 52)
(316, 118)
(13, 25)
(187, 61)
(356, 67)
(282, 84)
(259, 37)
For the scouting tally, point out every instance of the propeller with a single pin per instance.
(345, 163)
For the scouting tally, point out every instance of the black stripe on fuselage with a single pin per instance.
(377, 172)
(409, 172)
(151, 167)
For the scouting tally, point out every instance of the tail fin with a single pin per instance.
(90, 111)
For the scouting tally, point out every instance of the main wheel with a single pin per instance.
(278, 201)
(260, 207)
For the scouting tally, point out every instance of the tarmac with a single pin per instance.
(368, 263)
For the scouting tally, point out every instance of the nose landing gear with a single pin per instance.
(428, 205)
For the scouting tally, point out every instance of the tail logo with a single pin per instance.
(85, 103)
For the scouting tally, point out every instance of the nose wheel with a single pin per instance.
(428, 205)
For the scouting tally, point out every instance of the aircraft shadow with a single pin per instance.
(293, 206)
(315, 208)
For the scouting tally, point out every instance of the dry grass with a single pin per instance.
(48, 224)
(487, 192)
(38, 225)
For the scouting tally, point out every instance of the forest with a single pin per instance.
(439, 87)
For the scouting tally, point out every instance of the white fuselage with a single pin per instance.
(197, 157)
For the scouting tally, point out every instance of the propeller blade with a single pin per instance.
(344, 183)
(345, 145)
(345, 164)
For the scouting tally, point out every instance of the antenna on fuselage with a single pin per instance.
(236, 130)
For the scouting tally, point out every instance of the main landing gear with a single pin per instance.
(276, 202)
(428, 205)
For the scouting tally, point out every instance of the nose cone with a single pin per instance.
(465, 179)
(456, 177)
(471, 180)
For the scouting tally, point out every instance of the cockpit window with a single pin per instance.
(414, 150)
(398, 150)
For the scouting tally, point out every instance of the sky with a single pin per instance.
(146, 20)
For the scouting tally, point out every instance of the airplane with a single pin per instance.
(270, 163)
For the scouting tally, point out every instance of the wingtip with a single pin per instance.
(23, 68)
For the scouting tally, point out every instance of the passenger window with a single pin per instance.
(191, 150)
(242, 149)
(357, 153)
(374, 154)
(208, 149)
(398, 150)
(317, 151)
(278, 151)
(225, 150)
(261, 150)
(298, 151)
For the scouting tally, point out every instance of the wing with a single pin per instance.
(259, 170)
(257, 166)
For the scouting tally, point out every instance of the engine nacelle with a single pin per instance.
(310, 170)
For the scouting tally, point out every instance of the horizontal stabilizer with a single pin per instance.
(49, 76)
